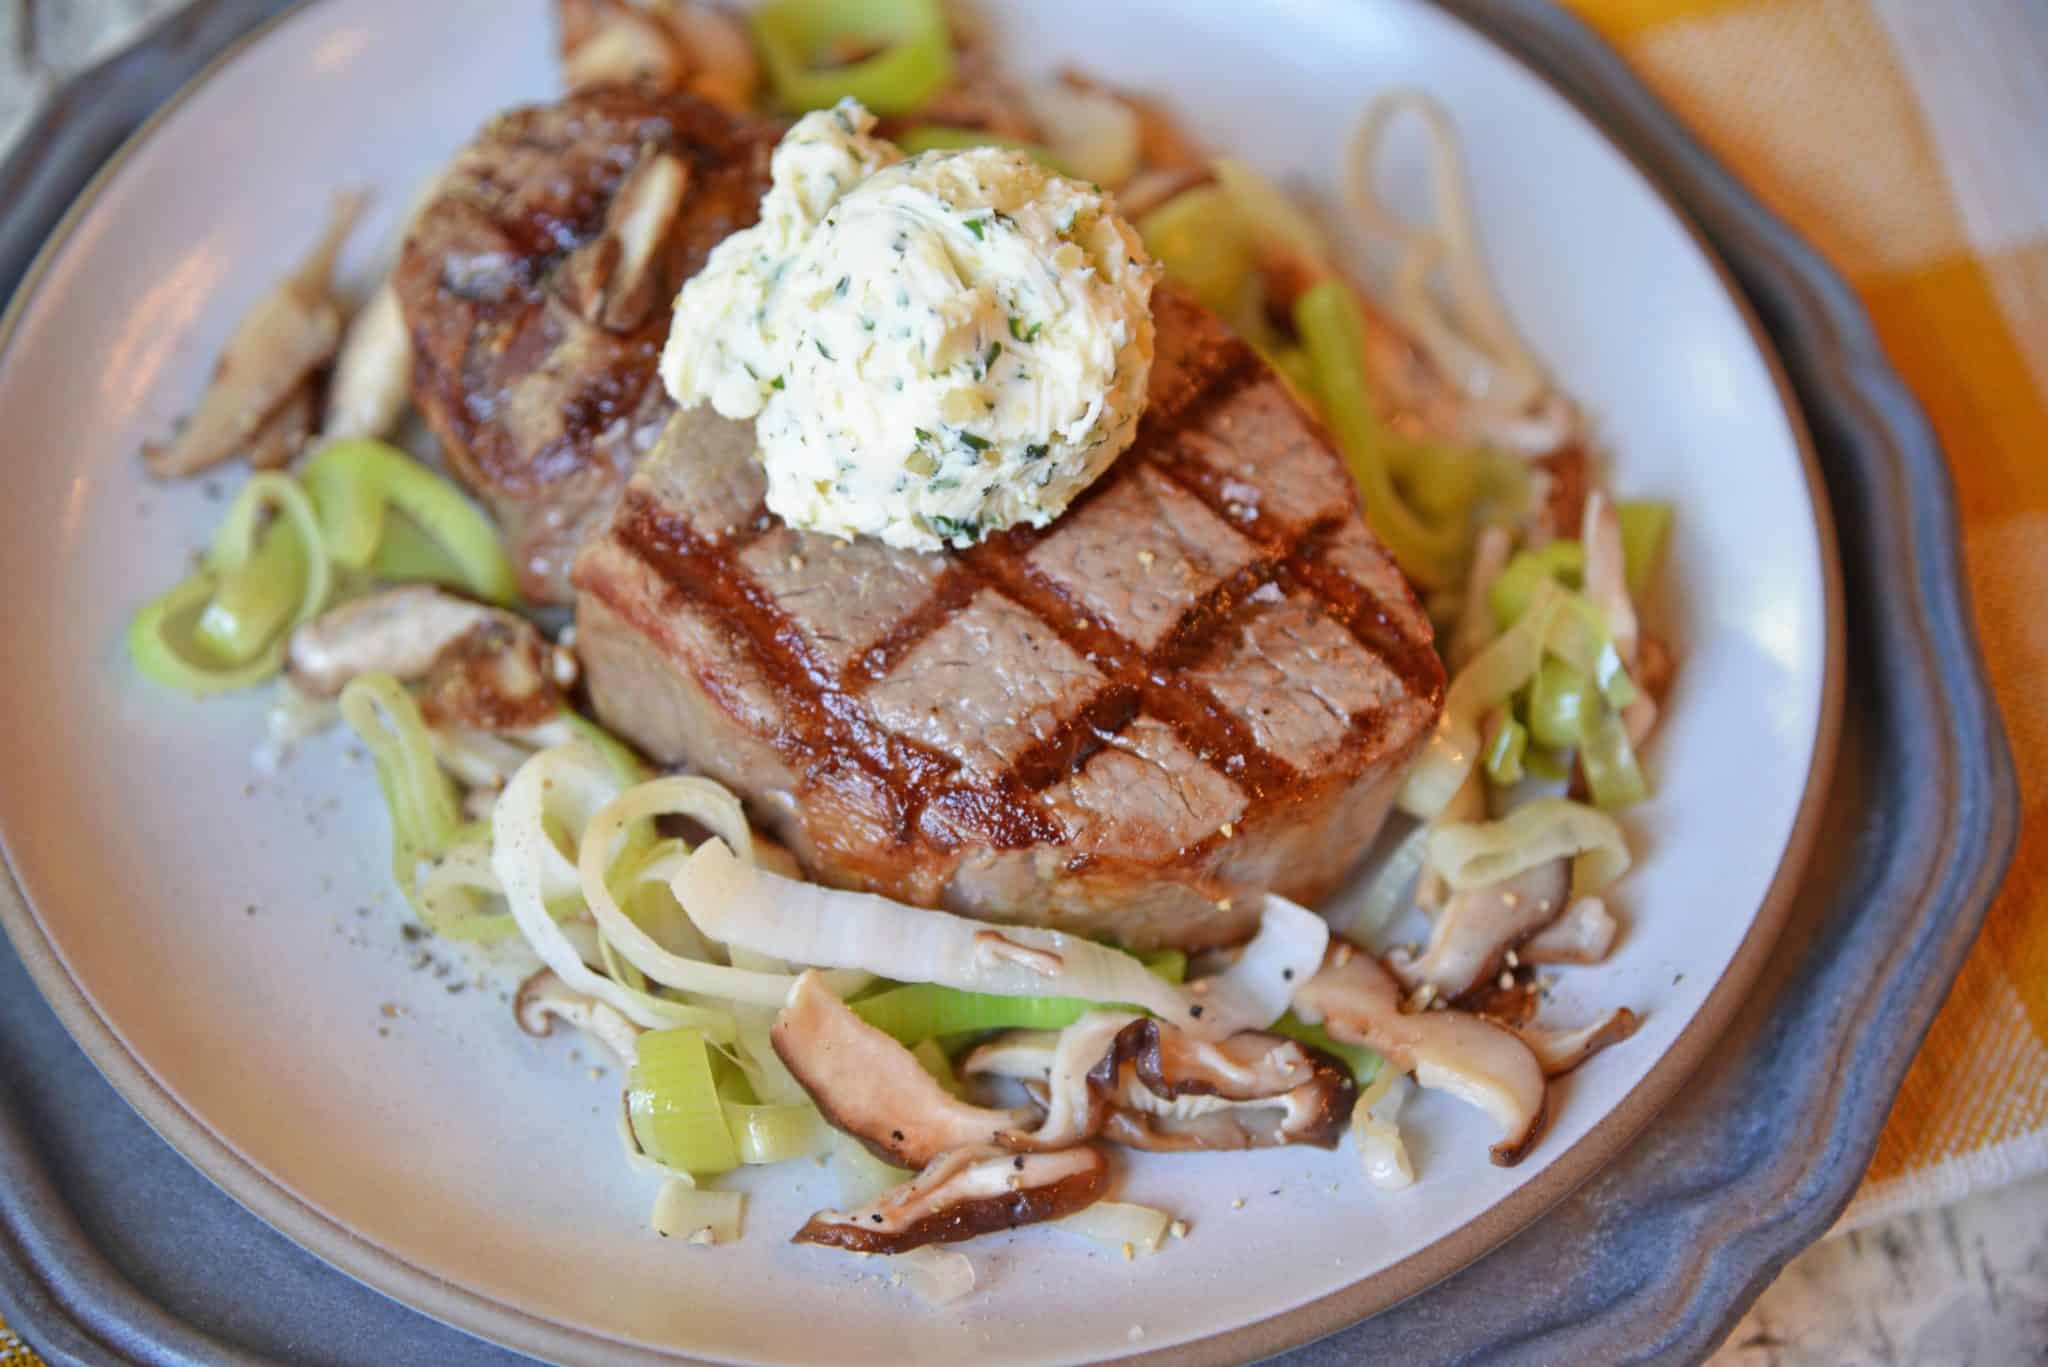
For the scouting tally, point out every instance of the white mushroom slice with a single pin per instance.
(1358, 1002)
(286, 336)
(544, 999)
(970, 1191)
(1073, 1109)
(1584, 934)
(373, 374)
(1560, 1051)
(1478, 926)
(873, 1088)
(401, 631)
(1017, 1055)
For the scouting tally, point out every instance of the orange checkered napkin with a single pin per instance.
(1908, 141)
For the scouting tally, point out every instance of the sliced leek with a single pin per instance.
(358, 483)
(1477, 854)
(673, 1103)
(891, 55)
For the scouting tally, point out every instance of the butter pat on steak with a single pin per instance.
(1198, 684)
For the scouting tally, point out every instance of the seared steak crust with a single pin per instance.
(538, 379)
(1199, 683)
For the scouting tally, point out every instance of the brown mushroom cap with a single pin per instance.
(1358, 1002)
(970, 1191)
(1150, 1085)
(874, 1089)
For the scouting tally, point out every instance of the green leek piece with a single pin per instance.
(1332, 327)
(1560, 701)
(426, 815)
(1364, 1063)
(1503, 758)
(673, 1104)
(805, 45)
(1199, 239)
(922, 1011)
(1645, 528)
(1541, 762)
(774, 1134)
(357, 482)
(253, 606)
(225, 627)
(917, 1012)
(1612, 775)
(1561, 562)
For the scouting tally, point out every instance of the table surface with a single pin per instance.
(1962, 1286)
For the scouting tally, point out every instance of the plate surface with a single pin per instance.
(417, 1132)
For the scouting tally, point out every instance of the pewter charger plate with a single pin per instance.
(228, 1130)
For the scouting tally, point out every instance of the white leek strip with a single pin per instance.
(696, 1216)
(746, 907)
(1493, 675)
(564, 784)
(1254, 992)
(1120, 1224)
(718, 810)
(1376, 1126)
(1478, 854)
(1476, 346)
(939, 1276)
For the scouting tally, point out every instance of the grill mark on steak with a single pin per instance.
(1418, 666)
(825, 720)
(1202, 723)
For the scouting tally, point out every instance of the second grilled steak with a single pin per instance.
(538, 283)
(1199, 683)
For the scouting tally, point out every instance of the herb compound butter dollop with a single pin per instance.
(932, 348)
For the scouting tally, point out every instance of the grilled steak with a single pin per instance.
(537, 285)
(1199, 683)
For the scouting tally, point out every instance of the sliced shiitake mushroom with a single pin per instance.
(1584, 934)
(1358, 1002)
(544, 999)
(1560, 1051)
(485, 668)
(1148, 1084)
(976, 1190)
(286, 336)
(1478, 926)
(874, 1089)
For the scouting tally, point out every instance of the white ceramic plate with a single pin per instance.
(229, 949)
